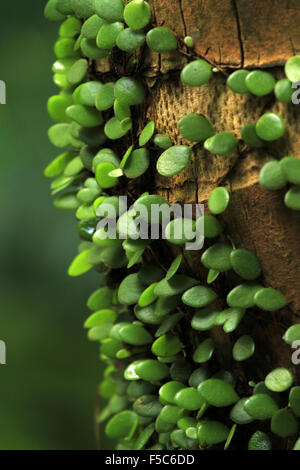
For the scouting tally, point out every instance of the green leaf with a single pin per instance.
(236, 81)
(173, 160)
(284, 423)
(198, 296)
(272, 176)
(260, 83)
(238, 414)
(196, 73)
(260, 406)
(218, 392)
(270, 127)
(218, 200)
(204, 319)
(189, 398)
(279, 380)
(242, 296)
(292, 68)
(135, 334)
(161, 39)
(130, 290)
(146, 133)
(122, 425)
(243, 348)
(223, 144)
(259, 441)
(80, 264)
(168, 391)
(294, 400)
(217, 257)
(204, 351)
(144, 437)
(245, 264)
(168, 323)
(151, 370)
(211, 433)
(174, 267)
(292, 198)
(166, 345)
(100, 318)
(195, 127)
(292, 334)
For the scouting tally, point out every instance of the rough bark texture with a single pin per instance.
(232, 34)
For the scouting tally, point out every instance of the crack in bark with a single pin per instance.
(236, 14)
(182, 16)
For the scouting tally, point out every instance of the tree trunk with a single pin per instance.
(232, 34)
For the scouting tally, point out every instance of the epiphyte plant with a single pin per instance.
(181, 338)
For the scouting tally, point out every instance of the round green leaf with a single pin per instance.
(272, 176)
(236, 81)
(146, 133)
(250, 136)
(292, 68)
(204, 319)
(279, 380)
(211, 433)
(137, 163)
(130, 290)
(291, 169)
(269, 299)
(129, 40)
(176, 285)
(166, 345)
(189, 399)
(122, 425)
(199, 296)
(245, 264)
(238, 414)
(223, 144)
(137, 14)
(260, 406)
(196, 73)
(284, 423)
(294, 400)
(168, 391)
(292, 334)
(259, 441)
(218, 392)
(107, 35)
(260, 83)
(151, 370)
(129, 91)
(109, 10)
(243, 348)
(204, 351)
(217, 257)
(218, 200)
(270, 127)
(195, 127)
(283, 90)
(242, 296)
(173, 160)
(161, 39)
(135, 334)
(292, 198)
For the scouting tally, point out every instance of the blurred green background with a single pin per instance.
(48, 387)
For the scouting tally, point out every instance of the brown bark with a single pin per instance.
(234, 34)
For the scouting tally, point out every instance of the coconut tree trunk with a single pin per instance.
(232, 34)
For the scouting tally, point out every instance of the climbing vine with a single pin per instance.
(166, 383)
